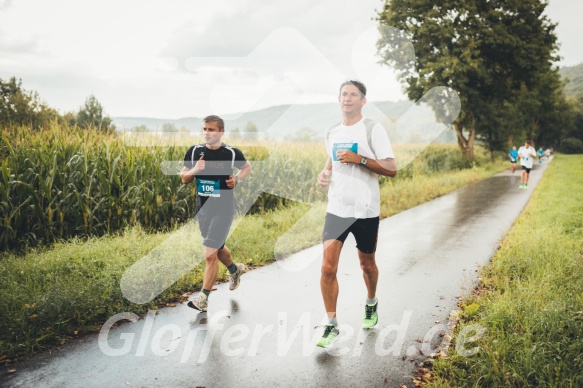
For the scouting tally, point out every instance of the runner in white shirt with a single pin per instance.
(355, 160)
(526, 153)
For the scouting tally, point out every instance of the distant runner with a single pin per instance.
(513, 155)
(526, 153)
(211, 165)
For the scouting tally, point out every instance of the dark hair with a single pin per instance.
(356, 83)
(529, 142)
(215, 119)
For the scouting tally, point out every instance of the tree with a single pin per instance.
(235, 134)
(169, 128)
(489, 52)
(91, 115)
(303, 135)
(69, 119)
(140, 128)
(21, 107)
(251, 131)
(575, 129)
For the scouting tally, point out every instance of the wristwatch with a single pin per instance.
(363, 160)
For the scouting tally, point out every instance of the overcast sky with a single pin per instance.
(179, 58)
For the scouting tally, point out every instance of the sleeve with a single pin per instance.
(239, 158)
(381, 145)
(326, 143)
(188, 158)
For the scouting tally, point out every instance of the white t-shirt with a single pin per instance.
(354, 190)
(527, 156)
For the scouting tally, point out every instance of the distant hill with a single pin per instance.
(575, 76)
(278, 121)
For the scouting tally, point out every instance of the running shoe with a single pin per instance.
(330, 334)
(370, 315)
(235, 278)
(201, 303)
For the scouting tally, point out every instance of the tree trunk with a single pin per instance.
(466, 145)
(533, 130)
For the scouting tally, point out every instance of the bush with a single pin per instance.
(572, 145)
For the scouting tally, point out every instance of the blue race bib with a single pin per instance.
(208, 188)
(343, 146)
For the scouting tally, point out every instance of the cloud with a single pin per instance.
(569, 30)
(4, 4)
(331, 26)
(309, 43)
(132, 55)
(21, 46)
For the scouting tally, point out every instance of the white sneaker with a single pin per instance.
(201, 303)
(235, 278)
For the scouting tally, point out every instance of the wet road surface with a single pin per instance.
(263, 333)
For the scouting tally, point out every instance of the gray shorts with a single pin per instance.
(215, 223)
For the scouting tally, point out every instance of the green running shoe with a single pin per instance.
(370, 315)
(330, 334)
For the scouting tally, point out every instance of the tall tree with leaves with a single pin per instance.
(486, 51)
(91, 115)
(21, 107)
(546, 113)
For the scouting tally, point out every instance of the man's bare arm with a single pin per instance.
(385, 167)
(323, 177)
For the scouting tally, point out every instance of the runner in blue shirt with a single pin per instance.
(513, 155)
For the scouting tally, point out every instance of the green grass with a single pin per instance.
(531, 298)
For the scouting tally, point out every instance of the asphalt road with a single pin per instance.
(263, 334)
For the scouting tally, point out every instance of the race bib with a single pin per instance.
(208, 188)
(343, 146)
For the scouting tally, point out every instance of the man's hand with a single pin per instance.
(187, 174)
(199, 166)
(324, 178)
(231, 182)
(346, 156)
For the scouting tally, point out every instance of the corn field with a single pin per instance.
(65, 182)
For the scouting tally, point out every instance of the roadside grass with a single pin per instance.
(531, 297)
(52, 294)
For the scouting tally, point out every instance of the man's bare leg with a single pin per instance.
(328, 280)
(370, 272)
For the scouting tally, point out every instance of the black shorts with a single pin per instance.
(215, 222)
(526, 169)
(365, 231)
